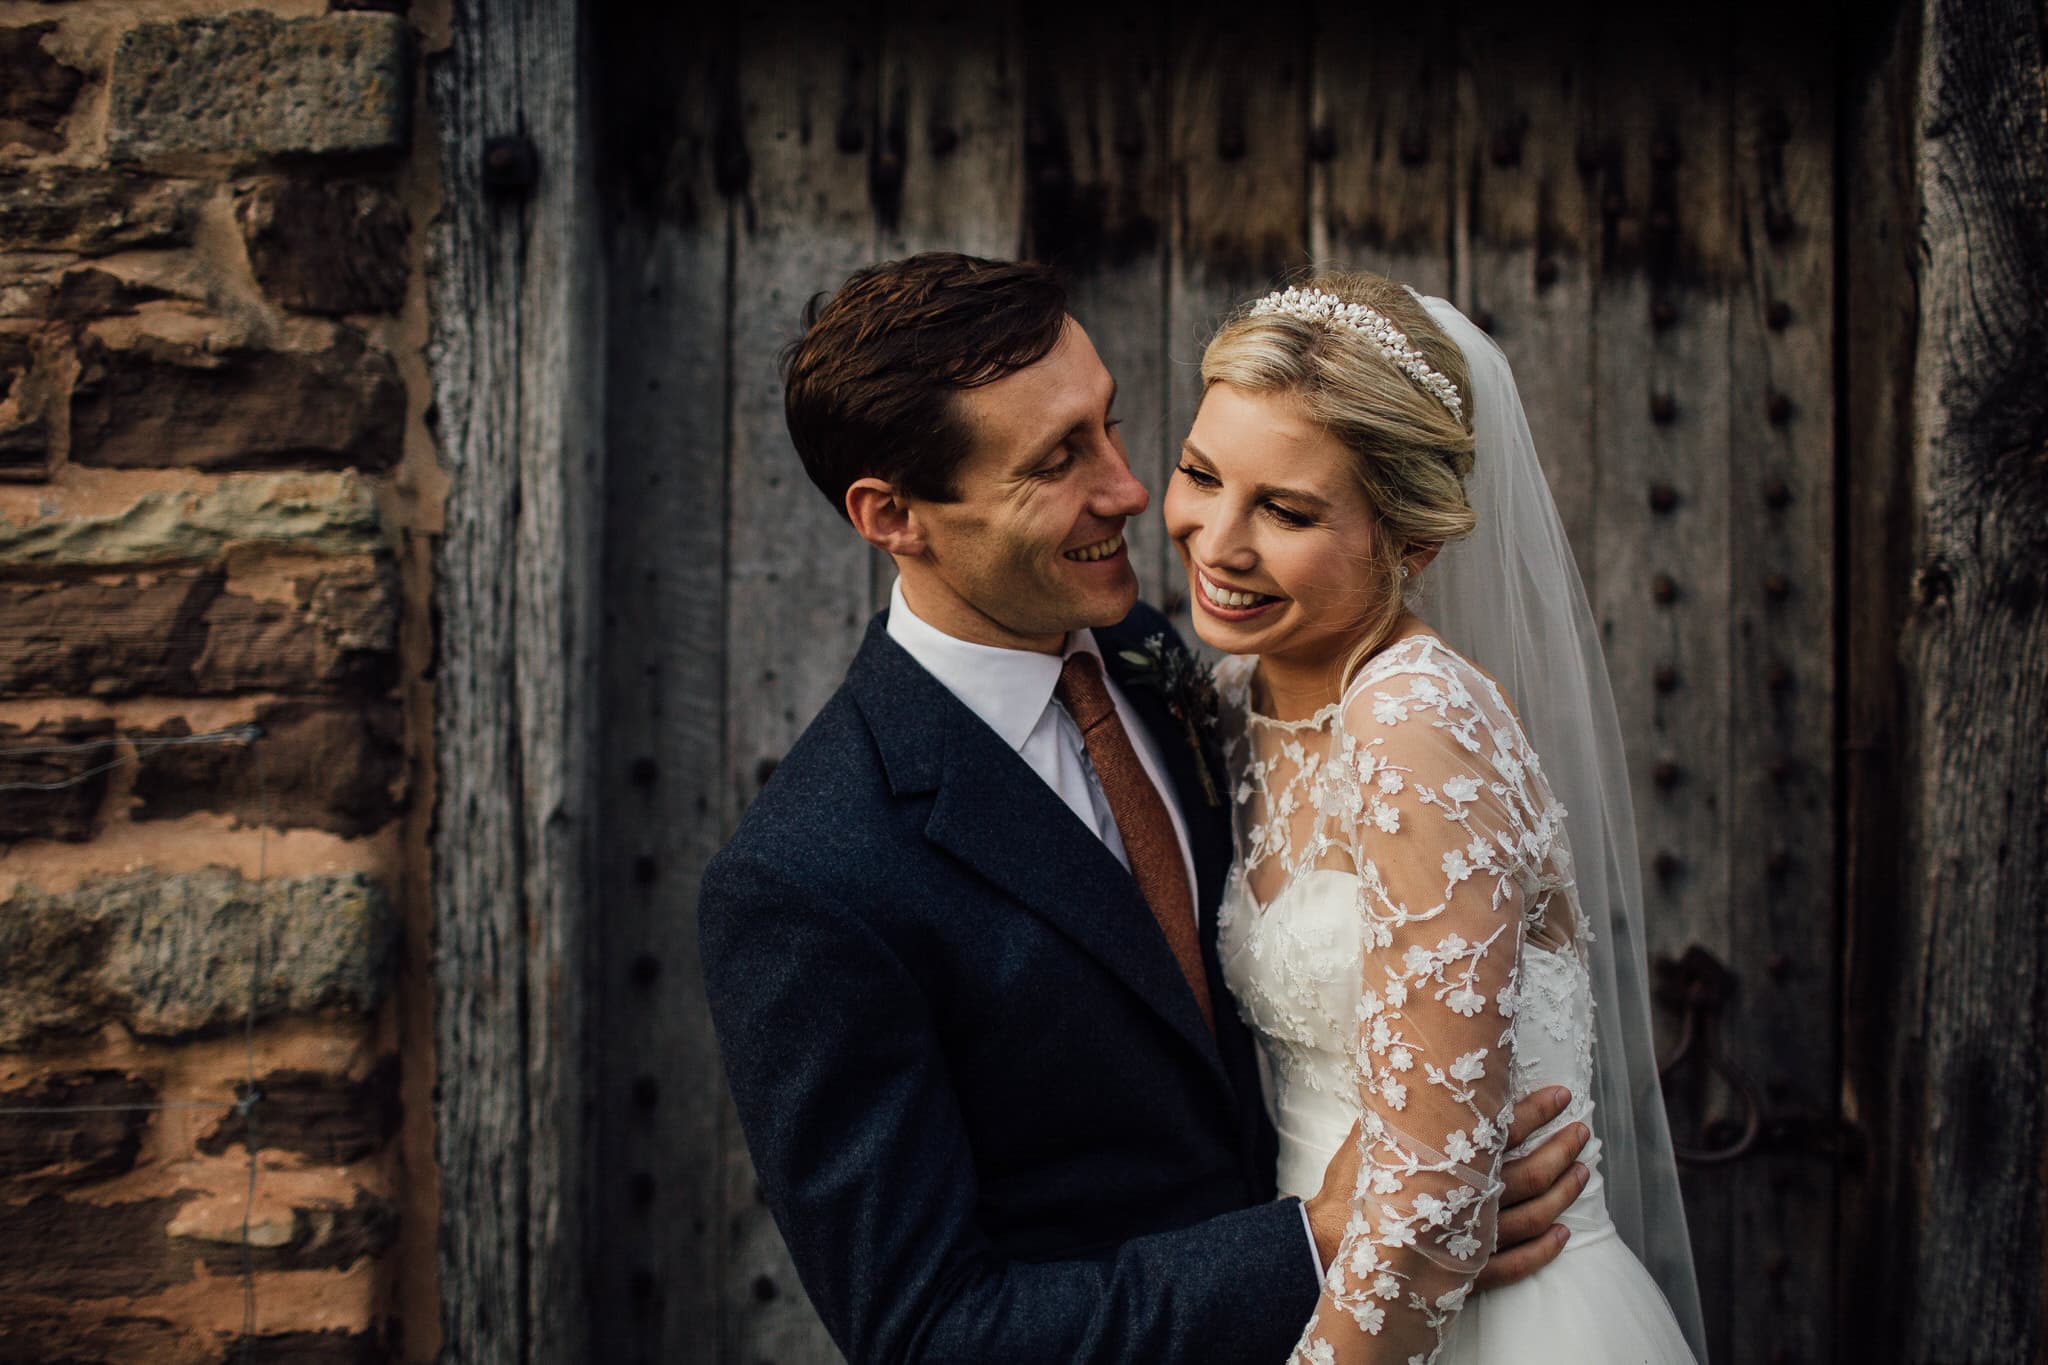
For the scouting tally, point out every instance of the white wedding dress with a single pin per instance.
(1401, 931)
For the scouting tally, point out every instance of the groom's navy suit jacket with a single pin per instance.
(982, 1103)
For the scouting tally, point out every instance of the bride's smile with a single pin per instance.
(1275, 535)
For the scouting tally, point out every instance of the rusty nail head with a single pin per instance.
(945, 138)
(1322, 142)
(1613, 206)
(1779, 408)
(1664, 150)
(1776, 126)
(1664, 589)
(1664, 678)
(1775, 1265)
(1230, 141)
(1778, 315)
(1414, 147)
(1779, 768)
(1778, 862)
(1777, 587)
(1777, 492)
(1665, 773)
(646, 969)
(1130, 138)
(1587, 153)
(1507, 149)
(1546, 271)
(644, 771)
(1667, 864)
(1663, 497)
(1777, 965)
(645, 869)
(1663, 313)
(1484, 320)
(1661, 221)
(851, 136)
(1778, 677)
(1777, 224)
(1663, 408)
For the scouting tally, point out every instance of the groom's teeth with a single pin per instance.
(1228, 597)
(1088, 554)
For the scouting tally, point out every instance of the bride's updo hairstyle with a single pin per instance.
(1410, 450)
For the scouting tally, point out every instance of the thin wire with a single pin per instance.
(20, 1109)
(239, 734)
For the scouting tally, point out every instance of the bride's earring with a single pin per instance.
(1405, 573)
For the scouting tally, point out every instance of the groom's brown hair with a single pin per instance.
(868, 389)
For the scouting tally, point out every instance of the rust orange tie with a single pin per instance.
(1141, 818)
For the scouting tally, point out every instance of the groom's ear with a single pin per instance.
(883, 517)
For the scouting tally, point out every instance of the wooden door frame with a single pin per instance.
(517, 359)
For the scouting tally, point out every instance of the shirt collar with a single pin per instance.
(1008, 689)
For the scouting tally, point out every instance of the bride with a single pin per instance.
(1413, 927)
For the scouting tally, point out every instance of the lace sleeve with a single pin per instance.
(1435, 818)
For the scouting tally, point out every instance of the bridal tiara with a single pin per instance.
(1317, 305)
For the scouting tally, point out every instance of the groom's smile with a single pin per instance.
(1031, 544)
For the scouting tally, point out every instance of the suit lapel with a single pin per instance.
(990, 811)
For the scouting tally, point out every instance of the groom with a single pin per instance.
(961, 951)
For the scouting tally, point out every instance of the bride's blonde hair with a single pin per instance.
(1410, 451)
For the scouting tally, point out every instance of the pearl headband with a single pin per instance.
(1316, 305)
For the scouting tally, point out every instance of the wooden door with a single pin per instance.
(1640, 209)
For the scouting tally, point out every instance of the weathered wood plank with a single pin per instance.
(1879, 233)
(1528, 231)
(950, 155)
(1383, 129)
(517, 328)
(797, 590)
(1096, 172)
(1238, 119)
(1969, 1027)
(1781, 647)
(674, 157)
(1661, 317)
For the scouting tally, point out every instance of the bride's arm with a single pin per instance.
(1435, 830)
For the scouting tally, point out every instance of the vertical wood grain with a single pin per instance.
(674, 170)
(1530, 241)
(797, 578)
(517, 330)
(1382, 129)
(1661, 319)
(1969, 1029)
(1877, 308)
(950, 136)
(1239, 107)
(1782, 912)
(1095, 148)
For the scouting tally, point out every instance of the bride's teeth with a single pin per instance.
(1228, 597)
(1088, 554)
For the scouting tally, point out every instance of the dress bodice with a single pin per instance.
(1399, 930)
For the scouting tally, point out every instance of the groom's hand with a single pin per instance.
(1539, 1187)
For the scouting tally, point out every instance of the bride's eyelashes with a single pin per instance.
(1285, 516)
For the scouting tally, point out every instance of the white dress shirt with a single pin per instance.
(1012, 691)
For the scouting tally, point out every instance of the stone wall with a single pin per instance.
(217, 493)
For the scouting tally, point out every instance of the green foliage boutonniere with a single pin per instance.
(1187, 687)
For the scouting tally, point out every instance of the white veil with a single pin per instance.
(1510, 599)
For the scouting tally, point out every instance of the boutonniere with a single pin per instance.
(1188, 688)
